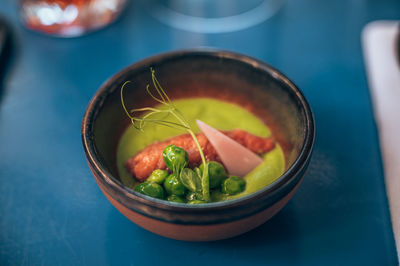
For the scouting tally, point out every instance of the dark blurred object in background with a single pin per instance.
(69, 18)
(4, 40)
(5, 52)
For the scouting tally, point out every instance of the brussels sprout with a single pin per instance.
(196, 202)
(175, 158)
(173, 186)
(233, 185)
(216, 172)
(150, 189)
(158, 176)
(175, 198)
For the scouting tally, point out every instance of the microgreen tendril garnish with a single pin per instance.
(169, 110)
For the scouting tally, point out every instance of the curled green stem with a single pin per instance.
(182, 123)
(205, 182)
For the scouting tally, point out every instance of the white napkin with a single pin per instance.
(380, 52)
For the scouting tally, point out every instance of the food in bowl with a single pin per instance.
(226, 78)
(155, 159)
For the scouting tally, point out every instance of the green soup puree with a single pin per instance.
(218, 114)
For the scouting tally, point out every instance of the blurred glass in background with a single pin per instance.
(69, 18)
(212, 16)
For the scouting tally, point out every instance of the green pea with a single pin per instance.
(175, 158)
(196, 202)
(150, 189)
(158, 176)
(217, 195)
(216, 172)
(175, 198)
(233, 185)
(174, 186)
(190, 196)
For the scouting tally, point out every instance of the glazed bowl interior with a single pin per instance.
(229, 77)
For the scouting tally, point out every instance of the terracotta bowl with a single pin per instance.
(223, 75)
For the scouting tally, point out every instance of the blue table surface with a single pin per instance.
(53, 213)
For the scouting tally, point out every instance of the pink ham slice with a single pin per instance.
(237, 159)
